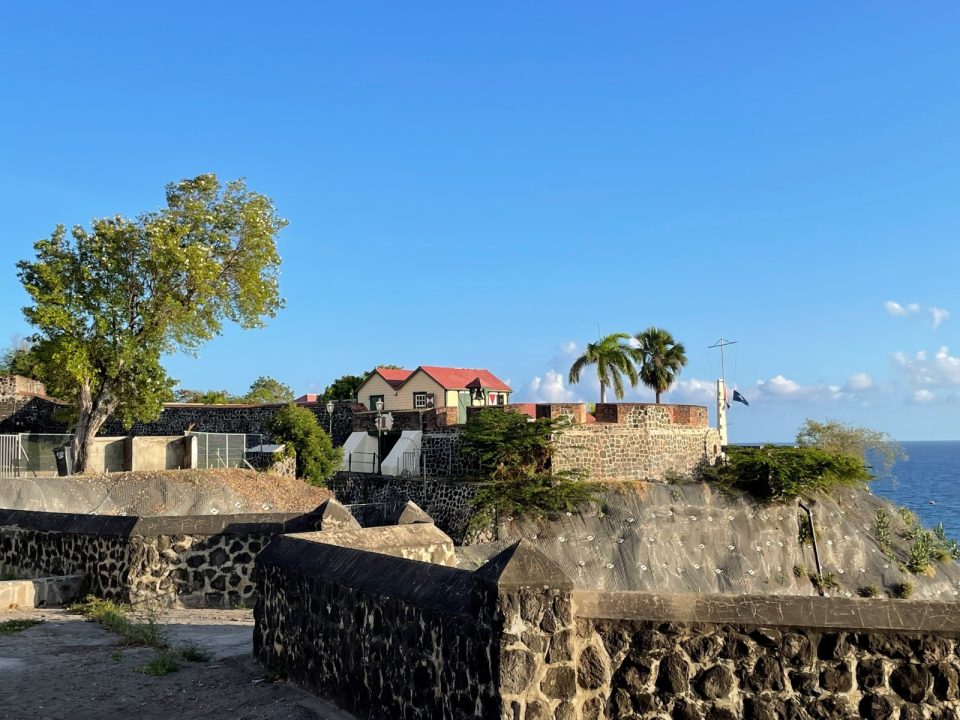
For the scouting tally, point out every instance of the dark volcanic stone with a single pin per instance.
(714, 682)
(796, 649)
(559, 682)
(911, 712)
(737, 647)
(833, 646)
(592, 709)
(910, 682)
(876, 707)
(870, 674)
(592, 669)
(837, 679)
(565, 711)
(561, 647)
(702, 648)
(673, 676)
(718, 712)
(803, 682)
(830, 708)
(516, 670)
(946, 681)
(685, 710)
(767, 674)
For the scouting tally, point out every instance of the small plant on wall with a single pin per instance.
(515, 454)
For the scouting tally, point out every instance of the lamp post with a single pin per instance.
(330, 415)
(379, 436)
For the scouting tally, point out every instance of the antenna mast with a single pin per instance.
(722, 393)
(722, 343)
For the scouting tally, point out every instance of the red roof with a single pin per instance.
(461, 378)
(394, 376)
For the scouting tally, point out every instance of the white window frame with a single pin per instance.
(417, 396)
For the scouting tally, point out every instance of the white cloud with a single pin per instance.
(923, 396)
(782, 388)
(942, 370)
(550, 389)
(569, 347)
(693, 391)
(938, 315)
(859, 382)
(895, 308)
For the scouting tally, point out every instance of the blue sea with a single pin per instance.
(928, 483)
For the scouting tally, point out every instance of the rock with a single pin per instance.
(685, 710)
(592, 709)
(719, 712)
(737, 647)
(516, 671)
(565, 711)
(796, 649)
(911, 712)
(830, 708)
(911, 682)
(946, 681)
(559, 683)
(833, 646)
(803, 682)
(561, 647)
(870, 674)
(759, 709)
(837, 679)
(673, 676)
(876, 707)
(714, 682)
(592, 669)
(767, 674)
(702, 648)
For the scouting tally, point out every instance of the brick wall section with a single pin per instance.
(155, 561)
(645, 443)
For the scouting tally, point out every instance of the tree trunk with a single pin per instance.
(93, 412)
(603, 393)
(658, 396)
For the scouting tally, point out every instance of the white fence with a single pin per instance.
(220, 450)
(9, 456)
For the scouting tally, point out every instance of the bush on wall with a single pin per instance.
(514, 453)
(297, 427)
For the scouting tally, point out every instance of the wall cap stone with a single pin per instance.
(523, 565)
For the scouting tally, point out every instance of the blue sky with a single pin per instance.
(485, 185)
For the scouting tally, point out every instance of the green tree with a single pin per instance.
(846, 439)
(317, 458)
(21, 358)
(108, 302)
(266, 390)
(343, 388)
(661, 359)
(614, 358)
(515, 454)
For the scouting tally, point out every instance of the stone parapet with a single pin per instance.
(650, 414)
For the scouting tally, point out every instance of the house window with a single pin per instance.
(502, 399)
(422, 400)
(373, 401)
(492, 399)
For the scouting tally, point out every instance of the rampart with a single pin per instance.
(392, 637)
(201, 559)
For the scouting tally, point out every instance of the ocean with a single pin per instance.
(928, 483)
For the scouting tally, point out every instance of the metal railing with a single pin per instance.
(9, 456)
(220, 450)
(361, 462)
(411, 465)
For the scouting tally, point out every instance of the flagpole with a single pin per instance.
(722, 392)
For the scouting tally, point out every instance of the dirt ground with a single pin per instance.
(69, 669)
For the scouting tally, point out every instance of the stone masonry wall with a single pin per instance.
(156, 561)
(374, 498)
(645, 444)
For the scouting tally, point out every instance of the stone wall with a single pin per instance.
(388, 637)
(163, 561)
(373, 499)
(642, 443)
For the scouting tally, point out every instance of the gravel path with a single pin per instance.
(69, 669)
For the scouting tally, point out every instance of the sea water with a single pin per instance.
(928, 483)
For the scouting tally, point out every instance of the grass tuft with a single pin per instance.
(162, 664)
(116, 617)
(9, 627)
(902, 591)
(193, 653)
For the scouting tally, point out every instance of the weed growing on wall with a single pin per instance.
(515, 454)
(882, 531)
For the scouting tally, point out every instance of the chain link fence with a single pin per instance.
(220, 450)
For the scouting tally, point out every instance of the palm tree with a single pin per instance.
(661, 359)
(614, 358)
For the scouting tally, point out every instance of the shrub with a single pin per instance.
(799, 570)
(868, 591)
(882, 531)
(297, 427)
(902, 591)
(850, 440)
(162, 664)
(828, 581)
(516, 453)
(787, 472)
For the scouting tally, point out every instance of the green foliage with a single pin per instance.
(869, 591)
(516, 451)
(343, 388)
(786, 472)
(804, 529)
(661, 359)
(192, 652)
(266, 390)
(207, 397)
(116, 617)
(799, 570)
(929, 547)
(827, 581)
(615, 358)
(907, 516)
(109, 301)
(902, 590)
(846, 439)
(882, 531)
(162, 664)
(8, 627)
(21, 358)
(297, 427)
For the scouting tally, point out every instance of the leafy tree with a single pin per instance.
(343, 388)
(207, 397)
(661, 359)
(614, 358)
(109, 301)
(516, 453)
(317, 458)
(268, 390)
(21, 358)
(783, 473)
(846, 439)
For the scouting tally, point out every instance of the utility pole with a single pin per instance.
(722, 392)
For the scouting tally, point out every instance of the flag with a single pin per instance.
(737, 397)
